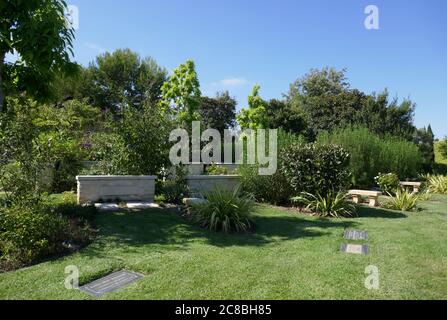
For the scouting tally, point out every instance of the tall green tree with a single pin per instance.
(181, 94)
(255, 116)
(287, 116)
(219, 112)
(119, 79)
(38, 31)
(329, 103)
(425, 140)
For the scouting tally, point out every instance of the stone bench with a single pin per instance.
(414, 185)
(372, 195)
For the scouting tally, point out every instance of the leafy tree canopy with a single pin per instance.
(218, 113)
(181, 93)
(116, 80)
(37, 30)
(255, 116)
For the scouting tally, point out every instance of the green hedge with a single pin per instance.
(371, 154)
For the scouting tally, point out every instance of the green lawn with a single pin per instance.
(290, 256)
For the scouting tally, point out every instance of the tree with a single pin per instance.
(181, 94)
(118, 79)
(218, 113)
(424, 139)
(289, 117)
(382, 117)
(255, 116)
(136, 144)
(38, 31)
(328, 102)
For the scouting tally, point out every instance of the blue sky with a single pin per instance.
(239, 43)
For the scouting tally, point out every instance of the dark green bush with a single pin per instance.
(175, 188)
(274, 188)
(371, 154)
(29, 233)
(32, 230)
(315, 168)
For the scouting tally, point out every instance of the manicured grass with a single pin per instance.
(290, 256)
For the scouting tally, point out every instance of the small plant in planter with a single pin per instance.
(225, 211)
(331, 204)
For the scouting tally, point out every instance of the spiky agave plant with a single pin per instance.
(332, 204)
(225, 211)
(437, 184)
(403, 201)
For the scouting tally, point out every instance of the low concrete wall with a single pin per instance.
(198, 185)
(111, 188)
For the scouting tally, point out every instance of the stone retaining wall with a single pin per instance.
(198, 185)
(114, 188)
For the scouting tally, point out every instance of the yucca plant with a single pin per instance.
(403, 201)
(437, 184)
(225, 211)
(331, 204)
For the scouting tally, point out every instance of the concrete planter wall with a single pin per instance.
(112, 188)
(198, 185)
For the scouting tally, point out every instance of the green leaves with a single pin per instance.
(37, 30)
(181, 94)
(224, 211)
(329, 205)
(255, 116)
(403, 201)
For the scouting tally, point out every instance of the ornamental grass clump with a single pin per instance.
(225, 211)
(403, 201)
(437, 184)
(332, 204)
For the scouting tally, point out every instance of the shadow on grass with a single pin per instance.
(367, 212)
(171, 232)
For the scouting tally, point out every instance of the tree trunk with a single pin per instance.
(2, 95)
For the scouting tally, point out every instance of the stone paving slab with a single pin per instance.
(107, 206)
(355, 248)
(142, 205)
(110, 282)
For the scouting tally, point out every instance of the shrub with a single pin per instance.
(135, 144)
(175, 188)
(371, 154)
(403, 201)
(274, 188)
(437, 184)
(66, 205)
(29, 232)
(315, 168)
(224, 211)
(329, 205)
(215, 169)
(388, 182)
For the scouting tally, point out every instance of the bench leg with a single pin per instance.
(415, 190)
(356, 199)
(373, 201)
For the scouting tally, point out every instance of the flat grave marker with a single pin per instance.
(355, 248)
(355, 235)
(110, 282)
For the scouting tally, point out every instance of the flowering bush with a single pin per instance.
(388, 182)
